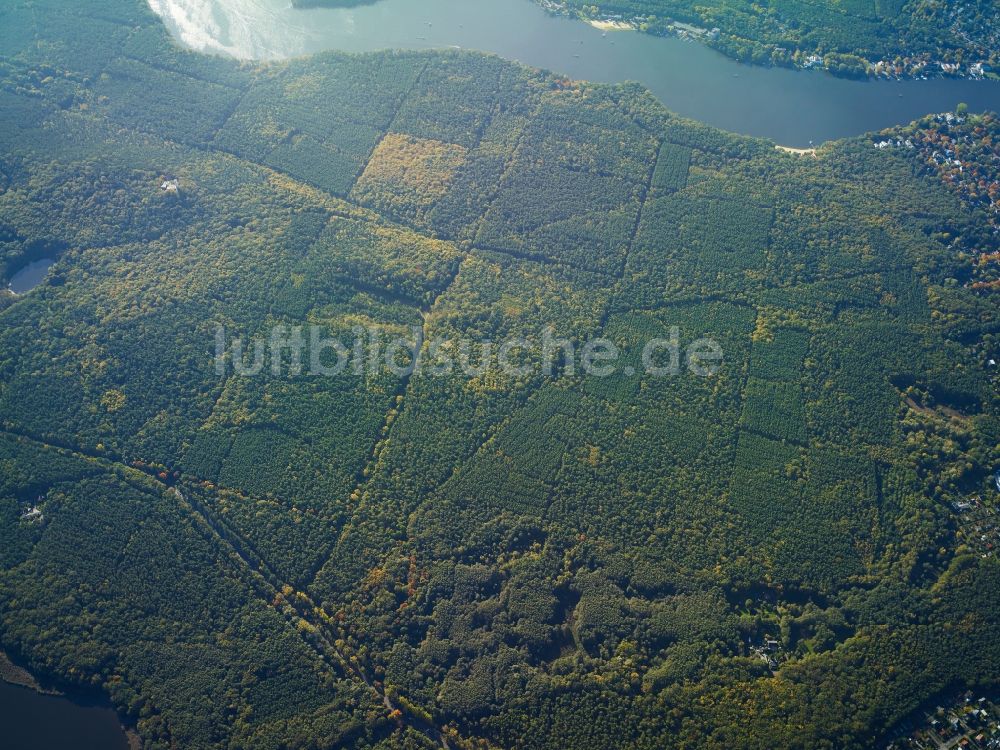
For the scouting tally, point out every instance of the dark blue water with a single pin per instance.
(30, 276)
(31, 721)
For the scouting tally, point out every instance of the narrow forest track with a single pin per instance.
(367, 472)
(263, 580)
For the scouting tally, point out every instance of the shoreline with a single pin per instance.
(609, 25)
(18, 676)
(924, 69)
(797, 151)
(12, 674)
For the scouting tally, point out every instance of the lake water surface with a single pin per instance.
(792, 107)
(30, 276)
(32, 721)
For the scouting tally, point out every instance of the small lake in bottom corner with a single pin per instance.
(32, 721)
(792, 107)
(30, 276)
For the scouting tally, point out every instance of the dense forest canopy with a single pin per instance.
(767, 557)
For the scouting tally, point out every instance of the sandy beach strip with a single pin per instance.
(612, 25)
